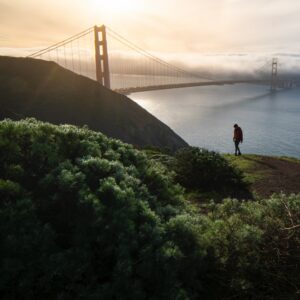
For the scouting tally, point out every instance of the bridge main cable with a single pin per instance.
(62, 43)
(140, 50)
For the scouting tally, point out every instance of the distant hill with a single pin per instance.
(48, 92)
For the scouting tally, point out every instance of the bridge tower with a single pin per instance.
(101, 56)
(274, 75)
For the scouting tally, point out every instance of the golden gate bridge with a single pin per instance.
(102, 54)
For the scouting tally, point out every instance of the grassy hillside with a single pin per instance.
(46, 91)
(207, 175)
(268, 175)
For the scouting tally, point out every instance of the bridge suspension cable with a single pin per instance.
(103, 54)
(74, 53)
(265, 67)
(129, 65)
(133, 46)
(62, 43)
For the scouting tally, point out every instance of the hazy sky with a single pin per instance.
(206, 33)
(159, 25)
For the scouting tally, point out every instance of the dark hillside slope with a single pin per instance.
(48, 92)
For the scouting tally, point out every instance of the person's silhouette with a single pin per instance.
(237, 138)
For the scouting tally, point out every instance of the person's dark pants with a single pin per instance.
(237, 149)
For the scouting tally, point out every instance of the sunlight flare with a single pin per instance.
(118, 6)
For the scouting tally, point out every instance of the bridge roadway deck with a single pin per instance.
(127, 91)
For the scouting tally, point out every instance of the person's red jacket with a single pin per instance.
(238, 134)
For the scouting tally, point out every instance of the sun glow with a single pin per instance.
(118, 6)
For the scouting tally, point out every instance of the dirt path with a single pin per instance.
(276, 175)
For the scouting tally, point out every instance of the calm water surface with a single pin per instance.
(204, 116)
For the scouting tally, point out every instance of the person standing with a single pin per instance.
(237, 138)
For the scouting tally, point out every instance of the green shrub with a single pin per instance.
(87, 217)
(83, 217)
(208, 171)
(256, 246)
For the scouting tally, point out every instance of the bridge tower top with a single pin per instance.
(101, 56)
(274, 74)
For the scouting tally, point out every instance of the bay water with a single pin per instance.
(204, 116)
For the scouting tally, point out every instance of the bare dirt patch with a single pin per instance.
(279, 175)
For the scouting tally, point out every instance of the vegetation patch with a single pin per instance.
(291, 159)
(87, 217)
(268, 175)
(249, 164)
(204, 174)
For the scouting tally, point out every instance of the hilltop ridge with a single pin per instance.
(46, 91)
